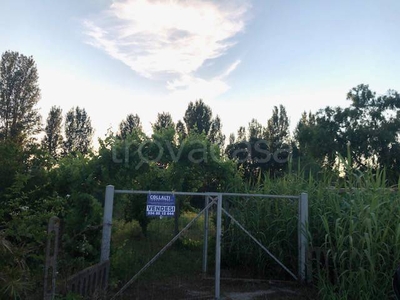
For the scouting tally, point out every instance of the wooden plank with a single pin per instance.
(50, 270)
(89, 280)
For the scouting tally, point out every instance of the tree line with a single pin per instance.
(61, 174)
(367, 131)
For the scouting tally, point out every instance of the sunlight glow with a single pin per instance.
(172, 38)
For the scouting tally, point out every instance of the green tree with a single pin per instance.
(180, 131)
(82, 234)
(304, 132)
(126, 163)
(12, 159)
(232, 138)
(315, 137)
(277, 131)
(278, 140)
(305, 147)
(241, 134)
(164, 141)
(78, 131)
(198, 117)
(371, 125)
(53, 139)
(201, 167)
(19, 94)
(27, 201)
(255, 130)
(164, 121)
(366, 132)
(216, 136)
(263, 149)
(130, 124)
(316, 142)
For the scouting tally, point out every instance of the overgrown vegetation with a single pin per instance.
(345, 159)
(354, 219)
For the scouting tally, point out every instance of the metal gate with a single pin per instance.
(212, 199)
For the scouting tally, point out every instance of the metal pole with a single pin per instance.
(176, 217)
(205, 242)
(218, 248)
(302, 234)
(107, 222)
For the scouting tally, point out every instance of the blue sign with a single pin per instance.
(160, 205)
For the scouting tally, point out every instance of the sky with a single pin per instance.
(242, 57)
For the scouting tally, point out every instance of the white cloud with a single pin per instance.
(230, 69)
(188, 86)
(173, 37)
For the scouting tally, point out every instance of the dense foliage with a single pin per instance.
(354, 150)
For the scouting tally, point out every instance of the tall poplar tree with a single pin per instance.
(78, 131)
(198, 117)
(215, 135)
(164, 121)
(127, 126)
(180, 131)
(53, 140)
(19, 94)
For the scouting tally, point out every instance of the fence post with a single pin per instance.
(205, 241)
(107, 222)
(50, 270)
(218, 248)
(303, 236)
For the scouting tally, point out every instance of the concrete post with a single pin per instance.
(107, 223)
(205, 241)
(303, 238)
(218, 248)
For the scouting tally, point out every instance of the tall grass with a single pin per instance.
(361, 231)
(271, 221)
(355, 219)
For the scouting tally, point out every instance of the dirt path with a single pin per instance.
(198, 288)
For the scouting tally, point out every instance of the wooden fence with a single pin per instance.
(89, 280)
(50, 269)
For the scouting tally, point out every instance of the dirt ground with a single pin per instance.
(198, 288)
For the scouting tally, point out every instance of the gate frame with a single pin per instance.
(218, 198)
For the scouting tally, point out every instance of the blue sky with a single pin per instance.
(241, 57)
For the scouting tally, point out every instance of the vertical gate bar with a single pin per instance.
(218, 248)
(176, 217)
(107, 222)
(302, 234)
(205, 242)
